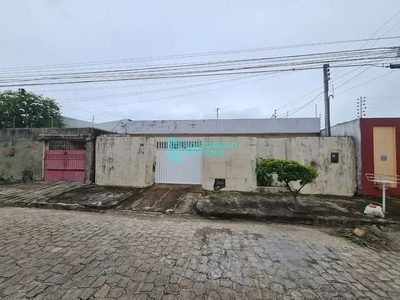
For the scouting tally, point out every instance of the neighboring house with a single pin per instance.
(232, 127)
(377, 150)
(203, 151)
(50, 154)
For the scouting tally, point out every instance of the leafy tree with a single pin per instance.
(22, 109)
(288, 171)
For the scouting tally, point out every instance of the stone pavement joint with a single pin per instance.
(47, 254)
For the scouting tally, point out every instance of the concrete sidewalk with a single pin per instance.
(321, 210)
(160, 198)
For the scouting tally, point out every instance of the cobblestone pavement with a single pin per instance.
(48, 254)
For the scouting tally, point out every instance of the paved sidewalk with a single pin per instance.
(49, 254)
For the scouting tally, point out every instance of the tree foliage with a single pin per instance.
(287, 171)
(24, 109)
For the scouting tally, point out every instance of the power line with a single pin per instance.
(201, 54)
(366, 82)
(398, 13)
(375, 78)
(181, 95)
(340, 56)
(255, 69)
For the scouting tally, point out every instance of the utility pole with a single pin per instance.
(361, 107)
(93, 121)
(217, 111)
(326, 99)
(316, 110)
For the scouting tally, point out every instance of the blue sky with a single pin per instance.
(45, 32)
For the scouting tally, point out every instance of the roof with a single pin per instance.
(214, 126)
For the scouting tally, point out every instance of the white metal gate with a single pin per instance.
(179, 161)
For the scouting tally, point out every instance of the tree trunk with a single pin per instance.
(296, 203)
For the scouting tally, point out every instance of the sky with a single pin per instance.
(49, 32)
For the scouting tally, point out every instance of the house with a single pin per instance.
(202, 152)
(377, 151)
(50, 154)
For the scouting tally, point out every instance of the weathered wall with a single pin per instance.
(125, 161)
(353, 129)
(29, 144)
(233, 127)
(334, 178)
(237, 166)
(29, 153)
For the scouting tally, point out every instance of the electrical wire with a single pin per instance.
(181, 95)
(180, 56)
(342, 56)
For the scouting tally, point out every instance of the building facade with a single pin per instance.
(50, 154)
(377, 151)
(204, 152)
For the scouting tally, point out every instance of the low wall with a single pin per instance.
(28, 153)
(125, 161)
(236, 166)
(28, 146)
(129, 161)
(333, 178)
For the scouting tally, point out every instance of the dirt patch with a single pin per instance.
(371, 237)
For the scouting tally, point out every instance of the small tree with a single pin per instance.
(22, 109)
(288, 171)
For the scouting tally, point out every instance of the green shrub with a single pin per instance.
(287, 171)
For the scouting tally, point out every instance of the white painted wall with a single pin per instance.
(125, 161)
(282, 126)
(237, 166)
(353, 129)
(333, 179)
(128, 161)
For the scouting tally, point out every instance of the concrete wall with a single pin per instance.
(334, 178)
(237, 166)
(129, 161)
(29, 145)
(29, 152)
(234, 127)
(352, 129)
(226, 126)
(125, 161)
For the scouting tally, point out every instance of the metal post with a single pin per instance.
(326, 99)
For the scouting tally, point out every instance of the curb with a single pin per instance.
(301, 220)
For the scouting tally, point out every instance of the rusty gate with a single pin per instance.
(64, 160)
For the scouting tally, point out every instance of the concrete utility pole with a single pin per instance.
(326, 98)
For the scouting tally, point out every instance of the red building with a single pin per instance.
(377, 150)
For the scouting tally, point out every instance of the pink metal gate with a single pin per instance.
(64, 160)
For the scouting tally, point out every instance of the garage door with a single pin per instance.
(64, 160)
(179, 161)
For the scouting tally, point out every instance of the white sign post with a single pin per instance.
(384, 182)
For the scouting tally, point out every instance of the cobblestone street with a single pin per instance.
(49, 254)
